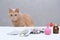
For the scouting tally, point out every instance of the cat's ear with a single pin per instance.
(10, 10)
(17, 10)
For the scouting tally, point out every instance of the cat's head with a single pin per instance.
(13, 14)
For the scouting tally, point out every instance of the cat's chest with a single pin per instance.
(19, 23)
(16, 23)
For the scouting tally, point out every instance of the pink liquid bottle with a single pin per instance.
(47, 31)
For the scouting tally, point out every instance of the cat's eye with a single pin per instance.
(11, 15)
(15, 14)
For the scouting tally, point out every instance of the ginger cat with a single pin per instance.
(20, 20)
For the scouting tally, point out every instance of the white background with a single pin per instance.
(42, 12)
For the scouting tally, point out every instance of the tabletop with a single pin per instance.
(42, 36)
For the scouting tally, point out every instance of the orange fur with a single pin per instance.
(19, 19)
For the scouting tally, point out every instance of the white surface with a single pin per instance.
(5, 36)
